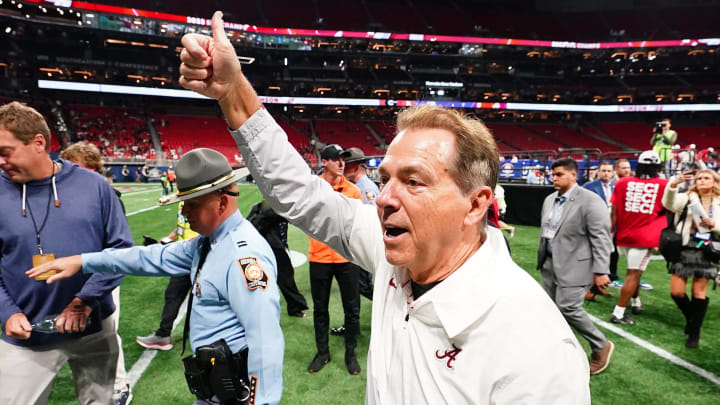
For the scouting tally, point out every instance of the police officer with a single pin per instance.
(235, 303)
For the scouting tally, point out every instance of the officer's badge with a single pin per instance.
(255, 276)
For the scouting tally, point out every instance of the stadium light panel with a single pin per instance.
(373, 102)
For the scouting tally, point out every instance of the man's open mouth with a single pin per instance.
(393, 231)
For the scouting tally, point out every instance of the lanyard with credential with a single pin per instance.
(42, 226)
(42, 257)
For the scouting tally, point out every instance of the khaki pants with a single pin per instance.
(26, 374)
(120, 373)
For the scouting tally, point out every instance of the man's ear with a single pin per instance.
(480, 202)
(224, 203)
(38, 142)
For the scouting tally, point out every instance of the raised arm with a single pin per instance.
(210, 67)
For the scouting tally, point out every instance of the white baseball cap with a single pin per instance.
(649, 157)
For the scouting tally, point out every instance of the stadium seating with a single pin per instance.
(702, 137)
(386, 129)
(520, 138)
(298, 135)
(347, 134)
(572, 138)
(117, 132)
(633, 134)
(182, 134)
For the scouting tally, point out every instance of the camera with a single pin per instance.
(690, 167)
(659, 126)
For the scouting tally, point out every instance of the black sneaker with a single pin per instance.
(352, 364)
(339, 331)
(625, 320)
(320, 360)
(637, 309)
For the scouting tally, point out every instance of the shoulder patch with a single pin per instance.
(255, 276)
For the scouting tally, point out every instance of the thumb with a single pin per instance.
(218, 30)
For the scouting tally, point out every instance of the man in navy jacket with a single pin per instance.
(53, 208)
(603, 184)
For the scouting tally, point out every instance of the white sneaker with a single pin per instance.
(153, 341)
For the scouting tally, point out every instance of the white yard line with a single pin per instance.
(658, 351)
(143, 210)
(143, 362)
(141, 192)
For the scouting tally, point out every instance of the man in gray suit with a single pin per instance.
(574, 252)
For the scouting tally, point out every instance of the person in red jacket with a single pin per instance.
(637, 216)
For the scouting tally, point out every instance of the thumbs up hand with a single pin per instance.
(209, 64)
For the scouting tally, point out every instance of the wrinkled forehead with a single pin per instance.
(421, 145)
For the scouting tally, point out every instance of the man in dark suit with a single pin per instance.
(573, 254)
(603, 186)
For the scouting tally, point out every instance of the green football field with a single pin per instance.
(639, 373)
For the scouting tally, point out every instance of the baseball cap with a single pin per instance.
(354, 155)
(333, 151)
(649, 157)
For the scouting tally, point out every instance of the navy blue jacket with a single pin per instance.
(89, 219)
(596, 187)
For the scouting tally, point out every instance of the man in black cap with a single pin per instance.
(233, 317)
(325, 264)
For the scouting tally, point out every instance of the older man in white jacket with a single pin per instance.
(454, 320)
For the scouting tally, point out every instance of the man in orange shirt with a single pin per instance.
(325, 264)
(171, 178)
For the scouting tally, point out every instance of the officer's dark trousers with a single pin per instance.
(286, 282)
(175, 293)
(346, 274)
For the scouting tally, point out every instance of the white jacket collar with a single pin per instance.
(475, 281)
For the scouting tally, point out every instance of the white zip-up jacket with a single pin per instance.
(488, 334)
